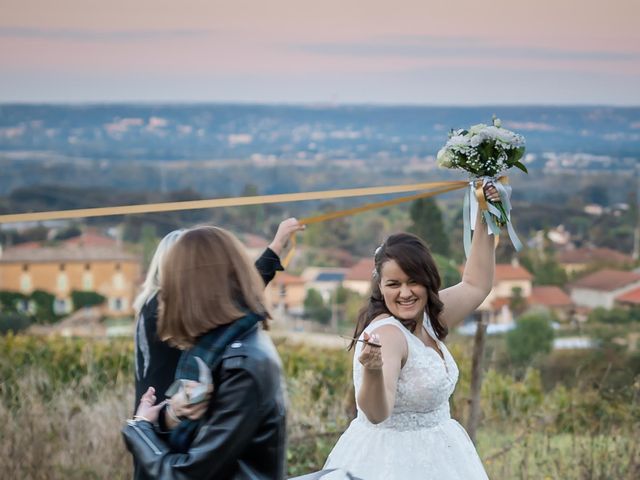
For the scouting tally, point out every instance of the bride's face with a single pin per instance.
(404, 297)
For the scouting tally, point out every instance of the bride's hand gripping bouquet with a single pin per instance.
(486, 152)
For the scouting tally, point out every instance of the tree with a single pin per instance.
(517, 303)
(549, 272)
(545, 268)
(428, 225)
(533, 334)
(149, 242)
(43, 306)
(315, 308)
(69, 232)
(449, 274)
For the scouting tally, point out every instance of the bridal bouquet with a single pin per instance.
(485, 151)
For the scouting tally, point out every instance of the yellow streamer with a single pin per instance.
(369, 206)
(482, 201)
(224, 202)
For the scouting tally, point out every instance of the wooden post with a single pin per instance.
(476, 377)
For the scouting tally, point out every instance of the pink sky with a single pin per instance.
(426, 52)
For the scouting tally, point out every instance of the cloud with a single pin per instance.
(431, 47)
(133, 35)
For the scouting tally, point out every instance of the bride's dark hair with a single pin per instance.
(414, 258)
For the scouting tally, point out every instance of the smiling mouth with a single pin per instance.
(407, 303)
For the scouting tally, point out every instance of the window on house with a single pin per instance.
(63, 282)
(118, 281)
(116, 304)
(87, 281)
(25, 283)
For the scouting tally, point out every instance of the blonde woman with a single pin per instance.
(156, 360)
(208, 285)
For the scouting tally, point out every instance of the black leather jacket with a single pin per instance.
(244, 435)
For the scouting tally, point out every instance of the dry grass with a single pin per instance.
(63, 406)
(64, 437)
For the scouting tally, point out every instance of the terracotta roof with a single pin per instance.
(91, 239)
(361, 271)
(65, 254)
(592, 255)
(632, 296)
(26, 245)
(506, 272)
(549, 297)
(607, 280)
(284, 278)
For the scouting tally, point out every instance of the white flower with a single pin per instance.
(444, 158)
(475, 129)
(477, 139)
(497, 122)
(458, 141)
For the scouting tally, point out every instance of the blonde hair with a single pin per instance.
(208, 280)
(151, 283)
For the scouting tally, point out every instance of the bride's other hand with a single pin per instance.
(371, 355)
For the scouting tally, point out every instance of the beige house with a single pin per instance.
(507, 278)
(59, 270)
(285, 296)
(358, 277)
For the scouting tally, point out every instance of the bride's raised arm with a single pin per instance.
(477, 279)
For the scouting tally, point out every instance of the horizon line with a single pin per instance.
(303, 104)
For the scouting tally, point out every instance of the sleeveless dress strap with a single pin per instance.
(387, 321)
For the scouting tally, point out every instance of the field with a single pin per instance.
(63, 402)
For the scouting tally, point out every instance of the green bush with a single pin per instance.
(13, 322)
(82, 299)
(533, 334)
(44, 306)
(614, 315)
(315, 308)
(11, 301)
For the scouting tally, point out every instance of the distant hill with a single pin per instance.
(218, 150)
(216, 131)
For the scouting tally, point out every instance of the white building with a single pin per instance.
(601, 288)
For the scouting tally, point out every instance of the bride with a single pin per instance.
(402, 371)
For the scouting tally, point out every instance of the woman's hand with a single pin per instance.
(180, 402)
(371, 355)
(146, 409)
(286, 228)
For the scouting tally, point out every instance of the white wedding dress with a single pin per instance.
(419, 440)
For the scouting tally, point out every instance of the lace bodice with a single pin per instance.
(425, 384)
